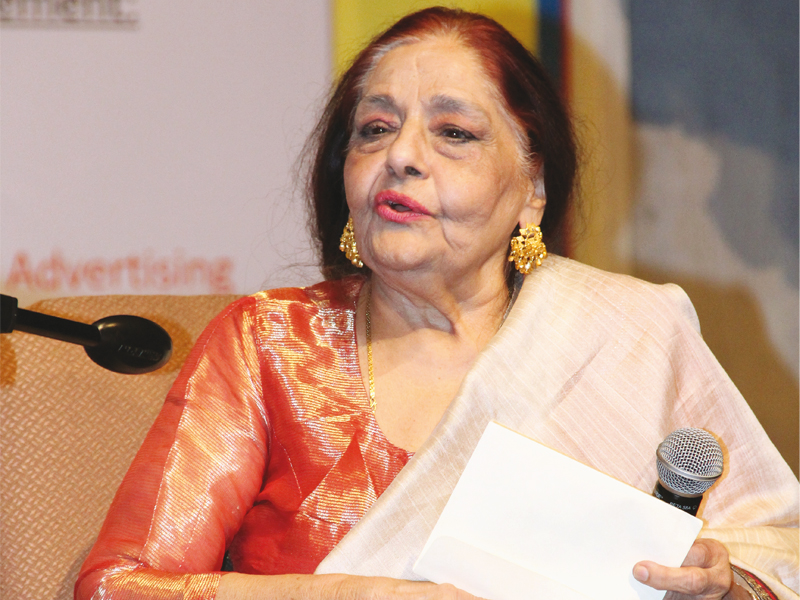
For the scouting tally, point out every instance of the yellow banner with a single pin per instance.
(355, 22)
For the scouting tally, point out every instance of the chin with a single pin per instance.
(396, 264)
(399, 251)
(398, 260)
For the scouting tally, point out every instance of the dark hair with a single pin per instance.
(530, 98)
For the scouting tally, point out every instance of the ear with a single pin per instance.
(533, 209)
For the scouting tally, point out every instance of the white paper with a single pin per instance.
(525, 520)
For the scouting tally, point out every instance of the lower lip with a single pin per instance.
(389, 214)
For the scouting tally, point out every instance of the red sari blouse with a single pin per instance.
(266, 446)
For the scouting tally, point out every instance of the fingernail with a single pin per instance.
(640, 573)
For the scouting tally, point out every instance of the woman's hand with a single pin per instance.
(235, 586)
(354, 588)
(705, 574)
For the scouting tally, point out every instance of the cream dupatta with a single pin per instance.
(600, 367)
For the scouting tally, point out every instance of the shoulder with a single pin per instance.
(326, 294)
(618, 298)
(242, 325)
(340, 294)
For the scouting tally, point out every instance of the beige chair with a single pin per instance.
(68, 431)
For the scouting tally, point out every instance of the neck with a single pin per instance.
(472, 309)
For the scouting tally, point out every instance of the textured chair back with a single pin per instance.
(68, 431)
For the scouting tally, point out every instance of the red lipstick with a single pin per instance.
(398, 208)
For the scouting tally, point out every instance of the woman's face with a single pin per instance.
(434, 175)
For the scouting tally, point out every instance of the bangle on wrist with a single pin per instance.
(757, 589)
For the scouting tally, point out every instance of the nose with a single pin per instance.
(406, 155)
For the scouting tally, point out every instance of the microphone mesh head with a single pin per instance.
(689, 461)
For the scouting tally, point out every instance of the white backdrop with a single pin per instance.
(152, 152)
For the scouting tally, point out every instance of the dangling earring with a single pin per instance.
(347, 244)
(528, 249)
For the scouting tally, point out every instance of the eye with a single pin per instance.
(374, 129)
(457, 134)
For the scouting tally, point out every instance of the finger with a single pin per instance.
(686, 580)
(711, 582)
(453, 593)
(698, 556)
(706, 553)
(399, 589)
(705, 570)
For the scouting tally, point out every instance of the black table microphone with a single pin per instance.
(122, 343)
(689, 461)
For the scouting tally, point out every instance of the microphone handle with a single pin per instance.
(688, 504)
(19, 319)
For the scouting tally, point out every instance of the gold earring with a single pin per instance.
(528, 249)
(347, 244)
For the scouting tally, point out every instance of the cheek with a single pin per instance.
(493, 204)
(477, 192)
(357, 179)
(351, 179)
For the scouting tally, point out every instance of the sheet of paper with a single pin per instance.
(525, 520)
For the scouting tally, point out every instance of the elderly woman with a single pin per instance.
(442, 151)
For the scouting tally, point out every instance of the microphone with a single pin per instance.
(689, 461)
(122, 343)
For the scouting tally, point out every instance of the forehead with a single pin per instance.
(441, 67)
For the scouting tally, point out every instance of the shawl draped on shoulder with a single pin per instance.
(600, 367)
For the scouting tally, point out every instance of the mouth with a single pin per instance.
(398, 207)
(400, 204)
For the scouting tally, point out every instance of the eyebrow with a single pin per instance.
(379, 101)
(441, 103)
